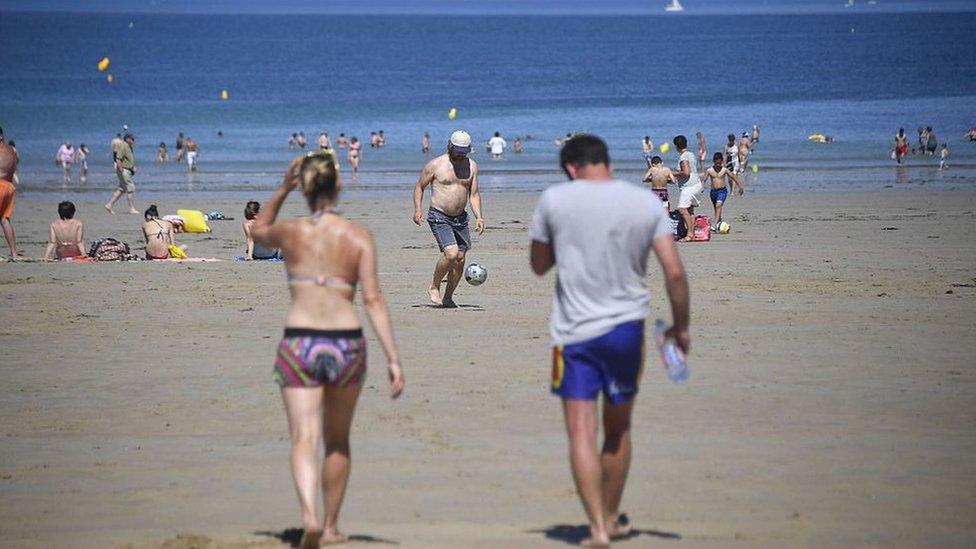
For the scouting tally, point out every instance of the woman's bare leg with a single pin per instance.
(304, 408)
(340, 403)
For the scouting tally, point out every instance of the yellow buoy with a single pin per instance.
(665, 147)
(452, 114)
(103, 64)
(224, 95)
(110, 78)
(755, 168)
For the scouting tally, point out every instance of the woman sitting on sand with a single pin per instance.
(321, 360)
(67, 238)
(159, 237)
(256, 250)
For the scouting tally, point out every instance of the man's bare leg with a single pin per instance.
(304, 406)
(453, 278)
(8, 233)
(115, 198)
(581, 426)
(443, 266)
(615, 462)
(132, 207)
(689, 223)
(340, 402)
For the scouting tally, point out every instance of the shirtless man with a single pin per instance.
(647, 148)
(719, 189)
(323, 141)
(745, 149)
(425, 143)
(8, 165)
(341, 141)
(659, 175)
(192, 149)
(755, 137)
(901, 145)
(453, 178)
(702, 148)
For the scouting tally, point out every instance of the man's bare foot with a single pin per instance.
(595, 543)
(109, 209)
(449, 303)
(310, 539)
(620, 527)
(333, 538)
(435, 295)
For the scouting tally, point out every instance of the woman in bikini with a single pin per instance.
(354, 146)
(159, 235)
(321, 360)
(254, 249)
(67, 238)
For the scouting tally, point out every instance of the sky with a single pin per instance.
(472, 7)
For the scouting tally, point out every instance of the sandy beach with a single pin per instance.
(832, 400)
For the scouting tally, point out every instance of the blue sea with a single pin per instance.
(856, 77)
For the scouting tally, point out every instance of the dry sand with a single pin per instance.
(832, 399)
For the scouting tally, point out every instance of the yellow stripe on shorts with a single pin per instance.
(558, 367)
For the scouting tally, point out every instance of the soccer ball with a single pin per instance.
(475, 274)
(724, 228)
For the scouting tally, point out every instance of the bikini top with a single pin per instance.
(322, 280)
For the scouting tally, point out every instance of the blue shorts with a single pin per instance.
(719, 195)
(611, 363)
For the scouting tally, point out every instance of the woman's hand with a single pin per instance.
(396, 379)
(291, 174)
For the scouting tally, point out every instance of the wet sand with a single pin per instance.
(832, 400)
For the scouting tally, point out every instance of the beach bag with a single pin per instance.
(703, 231)
(109, 249)
(175, 252)
(193, 221)
(678, 228)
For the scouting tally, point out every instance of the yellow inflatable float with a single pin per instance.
(817, 138)
(194, 221)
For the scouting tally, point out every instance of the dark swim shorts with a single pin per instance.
(719, 195)
(611, 364)
(449, 230)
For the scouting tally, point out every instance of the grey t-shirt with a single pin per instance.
(601, 234)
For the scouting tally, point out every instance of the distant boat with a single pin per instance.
(849, 4)
(675, 7)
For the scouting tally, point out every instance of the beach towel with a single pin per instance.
(272, 259)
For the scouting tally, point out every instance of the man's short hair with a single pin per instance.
(583, 149)
(680, 141)
(717, 156)
(655, 160)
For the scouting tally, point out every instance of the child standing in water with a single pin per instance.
(720, 188)
(944, 156)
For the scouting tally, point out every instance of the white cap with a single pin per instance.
(461, 140)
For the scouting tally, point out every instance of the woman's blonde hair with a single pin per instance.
(318, 177)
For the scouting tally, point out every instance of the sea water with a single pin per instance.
(856, 77)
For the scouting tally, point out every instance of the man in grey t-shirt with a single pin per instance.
(599, 231)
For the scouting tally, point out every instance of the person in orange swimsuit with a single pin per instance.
(8, 165)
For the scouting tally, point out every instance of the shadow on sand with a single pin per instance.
(574, 534)
(432, 306)
(292, 536)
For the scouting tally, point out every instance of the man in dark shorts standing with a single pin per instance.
(599, 232)
(453, 178)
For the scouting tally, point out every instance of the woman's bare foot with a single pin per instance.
(310, 539)
(333, 538)
(109, 209)
(133, 211)
(435, 295)
(685, 239)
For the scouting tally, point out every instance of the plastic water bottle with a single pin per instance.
(672, 355)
